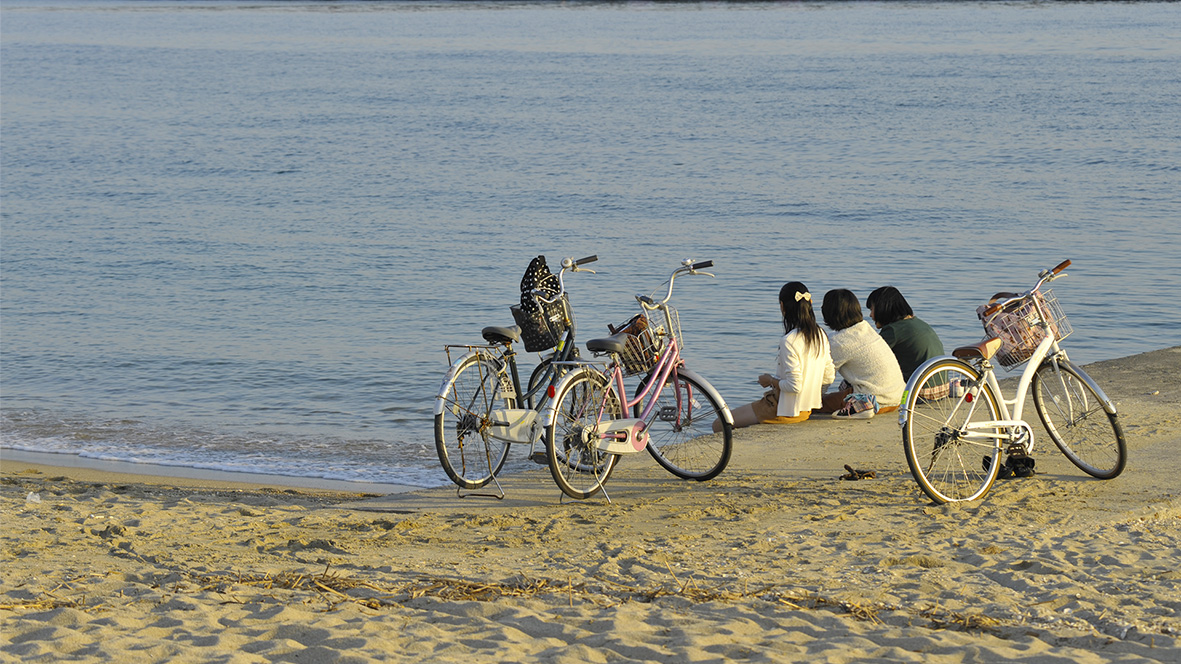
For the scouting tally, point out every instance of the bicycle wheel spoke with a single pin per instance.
(468, 453)
(680, 428)
(1074, 416)
(577, 464)
(945, 446)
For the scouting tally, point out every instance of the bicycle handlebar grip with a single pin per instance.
(702, 265)
(588, 259)
(992, 310)
(1061, 266)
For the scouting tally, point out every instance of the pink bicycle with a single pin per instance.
(674, 409)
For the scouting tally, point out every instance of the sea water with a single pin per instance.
(237, 236)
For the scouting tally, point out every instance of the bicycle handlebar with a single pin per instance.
(687, 267)
(1044, 277)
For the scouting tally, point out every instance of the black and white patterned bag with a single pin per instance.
(542, 323)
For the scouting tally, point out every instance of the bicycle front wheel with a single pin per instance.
(1074, 416)
(578, 465)
(682, 439)
(470, 455)
(950, 455)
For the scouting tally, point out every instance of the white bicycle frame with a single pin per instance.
(1011, 426)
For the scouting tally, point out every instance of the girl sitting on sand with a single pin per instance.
(861, 356)
(912, 341)
(803, 366)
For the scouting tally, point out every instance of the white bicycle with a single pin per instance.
(956, 423)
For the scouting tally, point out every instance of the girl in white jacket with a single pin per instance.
(802, 369)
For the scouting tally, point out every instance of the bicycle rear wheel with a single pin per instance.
(946, 459)
(682, 439)
(578, 466)
(1074, 416)
(470, 455)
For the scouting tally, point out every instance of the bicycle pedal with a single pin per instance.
(539, 458)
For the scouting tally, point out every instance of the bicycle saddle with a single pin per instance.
(501, 335)
(984, 349)
(612, 344)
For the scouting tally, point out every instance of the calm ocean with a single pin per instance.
(237, 235)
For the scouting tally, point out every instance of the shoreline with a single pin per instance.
(123, 472)
(776, 560)
(99, 470)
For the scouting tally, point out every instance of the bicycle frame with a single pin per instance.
(519, 425)
(506, 356)
(1012, 423)
(627, 435)
(941, 430)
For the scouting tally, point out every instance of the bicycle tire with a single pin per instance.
(1074, 416)
(681, 435)
(470, 456)
(947, 466)
(578, 467)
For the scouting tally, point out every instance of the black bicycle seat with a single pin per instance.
(612, 344)
(501, 335)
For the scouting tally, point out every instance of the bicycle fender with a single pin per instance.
(441, 395)
(705, 384)
(1108, 405)
(914, 379)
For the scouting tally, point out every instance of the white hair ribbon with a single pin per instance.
(803, 296)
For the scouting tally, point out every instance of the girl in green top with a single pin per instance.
(912, 340)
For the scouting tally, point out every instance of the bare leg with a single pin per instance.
(834, 400)
(744, 416)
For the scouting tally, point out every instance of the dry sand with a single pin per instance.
(776, 560)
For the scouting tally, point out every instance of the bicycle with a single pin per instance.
(956, 422)
(586, 432)
(480, 409)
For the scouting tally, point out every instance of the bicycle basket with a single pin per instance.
(641, 348)
(1018, 326)
(542, 329)
(672, 326)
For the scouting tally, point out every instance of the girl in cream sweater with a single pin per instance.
(859, 354)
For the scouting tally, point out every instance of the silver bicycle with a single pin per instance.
(957, 424)
(481, 408)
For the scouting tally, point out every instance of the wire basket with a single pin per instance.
(542, 329)
(647, 338)
(640, 352)
(1018, 325)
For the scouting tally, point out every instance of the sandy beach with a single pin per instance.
(776, 560)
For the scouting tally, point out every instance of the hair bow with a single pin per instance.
(803, 296)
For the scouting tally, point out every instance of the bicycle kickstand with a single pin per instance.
(475, 494)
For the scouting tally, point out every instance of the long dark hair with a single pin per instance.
(797, 314)
(887, 305)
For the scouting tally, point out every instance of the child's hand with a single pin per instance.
(767, 380)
